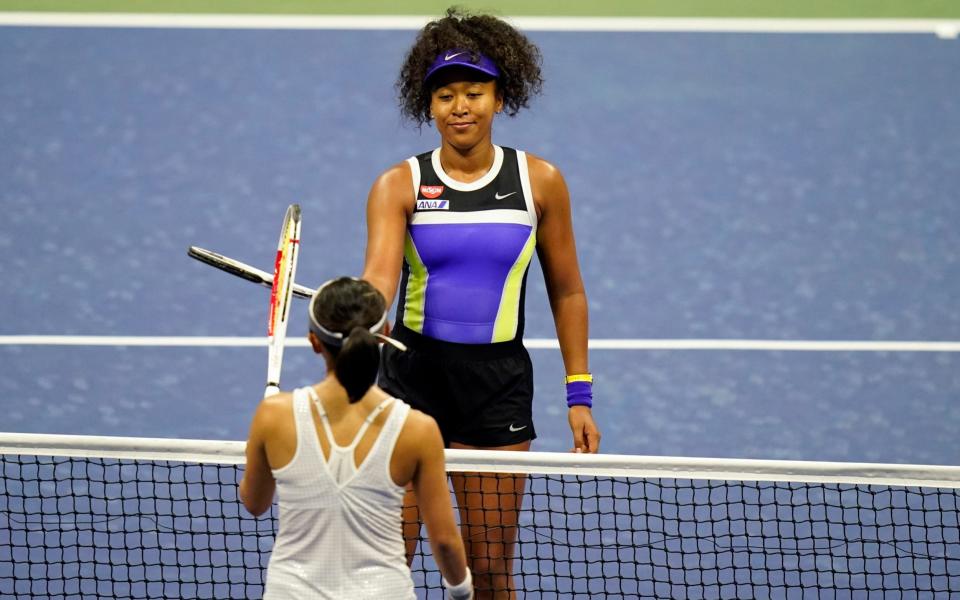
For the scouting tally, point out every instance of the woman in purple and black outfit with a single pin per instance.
(456, 228)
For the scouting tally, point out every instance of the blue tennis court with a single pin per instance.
(725, 186)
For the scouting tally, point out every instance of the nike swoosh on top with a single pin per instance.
(452, 56)
(512, 428)
(499, 197)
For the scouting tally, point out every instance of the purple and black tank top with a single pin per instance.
(467, 250)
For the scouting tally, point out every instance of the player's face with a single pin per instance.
(463, 110)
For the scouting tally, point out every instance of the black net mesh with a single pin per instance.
(108, 528)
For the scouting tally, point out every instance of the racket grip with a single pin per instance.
(270, 391)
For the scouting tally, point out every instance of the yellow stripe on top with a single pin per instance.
(416, 291)
(508, 315)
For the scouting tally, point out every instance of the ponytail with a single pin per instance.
(346, 315)
(357, 362)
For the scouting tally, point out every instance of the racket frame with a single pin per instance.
(281, 294)
(242, 270)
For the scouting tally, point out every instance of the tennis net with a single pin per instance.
(155, 518)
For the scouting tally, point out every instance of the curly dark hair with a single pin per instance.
(517, 58)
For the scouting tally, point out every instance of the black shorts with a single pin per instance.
(479, 394)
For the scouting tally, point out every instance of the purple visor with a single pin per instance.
(463, 58)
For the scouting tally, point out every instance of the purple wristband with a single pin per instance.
(580, 393)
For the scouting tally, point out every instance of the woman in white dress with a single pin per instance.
(339, 454)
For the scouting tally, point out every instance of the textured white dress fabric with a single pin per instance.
(340, 525)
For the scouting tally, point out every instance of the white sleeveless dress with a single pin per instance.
(340, 531)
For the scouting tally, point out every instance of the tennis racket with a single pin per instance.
(281, 293)
(242, 270)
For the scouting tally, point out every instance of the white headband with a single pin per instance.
(335, 338)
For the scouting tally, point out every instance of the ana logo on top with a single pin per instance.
(431, 191)
(433, 205)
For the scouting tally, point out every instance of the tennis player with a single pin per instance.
(457, 227)
(339, 454)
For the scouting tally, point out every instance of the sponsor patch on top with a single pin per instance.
(433, 205)
(431, 191)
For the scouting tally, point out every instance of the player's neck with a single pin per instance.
(337, 403)
(467, 164)
(331, 394)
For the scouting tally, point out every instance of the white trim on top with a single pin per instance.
(414, 175)
(461, 186)
(524, 171)
(447, 217)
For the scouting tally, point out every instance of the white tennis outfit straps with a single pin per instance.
(340, 524)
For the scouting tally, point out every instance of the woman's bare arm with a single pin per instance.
(436, 509)
(258, 485)
(568, 300)
(389, 205)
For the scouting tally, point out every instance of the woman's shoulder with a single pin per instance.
(541, 168)
(274, 410)
(419, 438)
(396, 170)
(397, 176)
(419, 426)
(278, 402)
(546, 179)
(419, 421)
